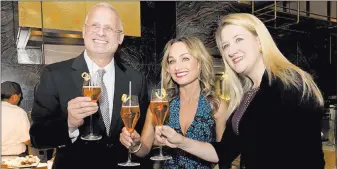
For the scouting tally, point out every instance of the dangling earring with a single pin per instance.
(260, 50)
(199, 76)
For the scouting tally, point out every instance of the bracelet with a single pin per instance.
(140, 145)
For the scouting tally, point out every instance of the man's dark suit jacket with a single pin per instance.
(61, 82)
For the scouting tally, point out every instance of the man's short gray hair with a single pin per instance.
(103, 4)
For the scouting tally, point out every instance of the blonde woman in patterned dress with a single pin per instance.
(195, 110)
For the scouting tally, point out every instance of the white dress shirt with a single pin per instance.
(109, 82)
(14, 129)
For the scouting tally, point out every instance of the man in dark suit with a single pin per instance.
(61, 114)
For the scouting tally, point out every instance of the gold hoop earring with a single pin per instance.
(199, 77)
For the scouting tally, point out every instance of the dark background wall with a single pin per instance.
(26, 75)
(161, 21)
(306, 44)
(201, 18)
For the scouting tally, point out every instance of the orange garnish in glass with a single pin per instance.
(85, 76)
(162, 95)
(125, 98)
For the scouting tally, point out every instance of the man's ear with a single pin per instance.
(83, 31)
(14, 98)
(120, 38)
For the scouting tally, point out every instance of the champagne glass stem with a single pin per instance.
(161, 150)
(91, 127)
(129, 156)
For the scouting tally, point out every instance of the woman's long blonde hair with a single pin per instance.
(277, 66)
(205, 65)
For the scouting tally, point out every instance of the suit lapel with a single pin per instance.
(79, 65)
(121, 87)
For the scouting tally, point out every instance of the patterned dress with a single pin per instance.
(201, 129)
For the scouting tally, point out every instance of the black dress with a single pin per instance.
(278, 130)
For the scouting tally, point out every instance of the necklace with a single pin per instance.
(189, 100)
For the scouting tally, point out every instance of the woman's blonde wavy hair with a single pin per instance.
(277, 66)
(205, 64)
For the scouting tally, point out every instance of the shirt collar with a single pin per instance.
(7, 103)
(93, 67)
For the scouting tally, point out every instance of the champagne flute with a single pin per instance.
(93, 90)
(159, 106)
(130, 114)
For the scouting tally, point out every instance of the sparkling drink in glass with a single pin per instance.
(159, 107)
(130, 114)
(93, 90)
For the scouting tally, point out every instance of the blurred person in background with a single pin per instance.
(14, 121)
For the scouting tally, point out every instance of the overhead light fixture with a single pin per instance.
(27, 55)
(23, 37)
(245, 2)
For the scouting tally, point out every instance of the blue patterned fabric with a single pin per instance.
(201, 129)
